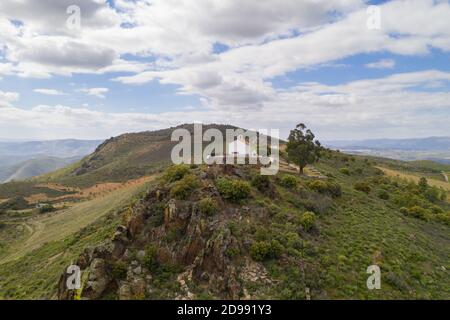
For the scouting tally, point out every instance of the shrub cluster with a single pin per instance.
(260, 182)
(176, 172)
(264, 250)
(233, 190)
(184, 187)
(208, 206)
(307, 220)
(363, 187)
(46, 208)
(151, 258)
(326, 187)
(289, 181)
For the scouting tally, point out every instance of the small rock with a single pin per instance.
(137, 270)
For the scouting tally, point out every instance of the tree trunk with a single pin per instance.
(301, 169)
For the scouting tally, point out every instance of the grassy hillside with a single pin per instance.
(34, 248)
(204, 232)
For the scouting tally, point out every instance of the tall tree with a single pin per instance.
(302, 149)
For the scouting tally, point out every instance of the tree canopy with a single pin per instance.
(302, 149)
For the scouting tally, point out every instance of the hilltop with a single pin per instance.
(142, 229)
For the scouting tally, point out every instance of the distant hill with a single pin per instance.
(434, 148)
(125, 157)
(24, 159)
(432, 143)
(52, 148)
(33, 167)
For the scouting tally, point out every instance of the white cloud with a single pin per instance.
(381, 64)
(7, 97)
(50, 92)
(265, 40)
(384, 107)
(96, 92)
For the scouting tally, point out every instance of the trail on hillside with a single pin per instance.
(59, 225)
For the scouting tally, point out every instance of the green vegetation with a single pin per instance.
(184, 187)
(317, 235)
(46, 208)
(301, 148)
(263, 250)
(176, 172)
(208, 206)
(233, 189)
(363, 187)
(307, 220)
(289, 181)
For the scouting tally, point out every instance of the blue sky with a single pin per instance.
(149, 64)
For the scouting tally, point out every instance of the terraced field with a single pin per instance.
(56, 226)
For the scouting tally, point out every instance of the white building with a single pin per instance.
(240, 147)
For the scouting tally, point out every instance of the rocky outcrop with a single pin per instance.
(182, 239)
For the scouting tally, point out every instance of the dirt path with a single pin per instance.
(58, 226)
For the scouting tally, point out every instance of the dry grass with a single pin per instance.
(59, 225)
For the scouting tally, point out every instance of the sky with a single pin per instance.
(348, 69)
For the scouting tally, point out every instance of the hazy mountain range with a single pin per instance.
(25, 159)
(432, 148)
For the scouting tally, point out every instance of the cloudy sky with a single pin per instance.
(136, 65)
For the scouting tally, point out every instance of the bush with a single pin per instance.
(119, 270)
(183, 188)
(260, 182)
(233, 190)
(208, 206)
(289, 181)
(151, 258)
(363, 187)
(307, 220)
(176, 172)
(418, 212)
(358, 171)
(383, 194)
(326, 187)
(344, 171)
(264, 250)
(46, 208)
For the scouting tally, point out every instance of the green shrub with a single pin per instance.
(326, 187)
(418, 212)
(289, 181)
(176, 172)
(151, 258)
(208, 206)
(233, 190)
(363, 187)
(260, 182)
(383, 194)
(264, 250)
(307, 220)
(119, 270)
(46, 208)
(358, 171)
(444, 217)
(184, 187)
(404, 210)
(345, 171)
